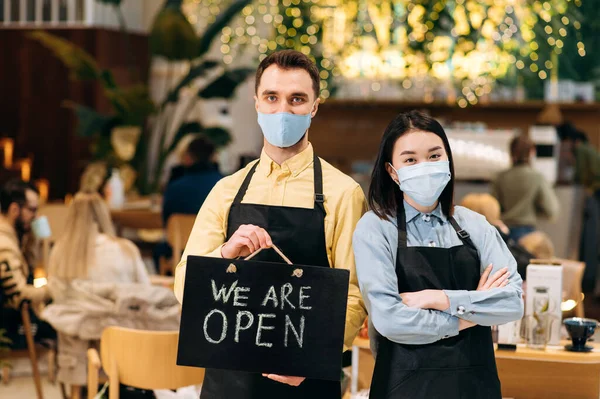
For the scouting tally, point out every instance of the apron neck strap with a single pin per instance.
(318, 179)
(401, 220)
(319, 197)
(462, 234)
(244, 187)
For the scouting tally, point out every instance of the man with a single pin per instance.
(290, 198)
(18, 205)
(192, 181)
(189, 185)
(524, 194)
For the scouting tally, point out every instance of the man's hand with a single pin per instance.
(496, 280)
(293, 381)
(426, 299)
(247, 239)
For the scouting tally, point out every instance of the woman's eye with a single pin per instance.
(435, 156)
(409, 160)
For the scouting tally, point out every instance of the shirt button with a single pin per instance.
(460, 310)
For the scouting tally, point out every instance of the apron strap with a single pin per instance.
(462, 234)
(244, 187)
(401, 220)
(319, 197)
(318, 178)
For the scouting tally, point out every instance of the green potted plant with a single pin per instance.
(121, 139)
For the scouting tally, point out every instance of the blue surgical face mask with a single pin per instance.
(284, 129)
(425, 181)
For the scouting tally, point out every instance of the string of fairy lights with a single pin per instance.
(469, 44)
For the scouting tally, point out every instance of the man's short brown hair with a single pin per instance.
(290, 59)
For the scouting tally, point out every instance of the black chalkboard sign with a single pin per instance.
(263, 317)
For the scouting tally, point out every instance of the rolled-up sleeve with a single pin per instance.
(494, 306)
(374, 251)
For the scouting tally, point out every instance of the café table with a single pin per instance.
(139, 218)
(138, 214)
(550, 373)
(524, 373)
(162, 281)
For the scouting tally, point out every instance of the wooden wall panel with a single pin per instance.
(33, 87)
(347, 131)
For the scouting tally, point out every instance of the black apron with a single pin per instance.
(300, 234)
(463, 366)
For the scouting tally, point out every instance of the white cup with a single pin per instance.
(41, 228)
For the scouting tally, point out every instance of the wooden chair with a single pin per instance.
(179, 227)
(141, 359)
(31, 351)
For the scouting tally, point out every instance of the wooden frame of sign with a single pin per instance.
(263, 317)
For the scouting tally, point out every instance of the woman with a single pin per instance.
(89, 249)
(488, 206)
(86, 265)
(434, 277)
(523, 192)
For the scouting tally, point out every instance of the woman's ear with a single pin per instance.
(389, 168)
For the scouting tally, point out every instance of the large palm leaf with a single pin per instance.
(81, 64)
(172, 36)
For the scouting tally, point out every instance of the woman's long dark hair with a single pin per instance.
(385, 199)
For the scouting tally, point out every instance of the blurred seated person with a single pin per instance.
(523, 192)
(488, 206)
(19, 205)
(88, 254)
(538, 244)
(89, 249)
(189, 186)
(198, 158)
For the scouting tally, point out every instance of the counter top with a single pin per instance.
(551, 354)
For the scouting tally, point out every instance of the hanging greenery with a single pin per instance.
(468, 44)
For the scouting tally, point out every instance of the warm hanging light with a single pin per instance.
(465, 43)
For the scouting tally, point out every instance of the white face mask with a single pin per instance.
(284, 129)
(425, 181)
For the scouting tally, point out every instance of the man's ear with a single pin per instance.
(316, 108)
(13, 210)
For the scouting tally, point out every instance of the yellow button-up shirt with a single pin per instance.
(290, 184)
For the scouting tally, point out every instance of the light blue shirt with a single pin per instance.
(375, 244)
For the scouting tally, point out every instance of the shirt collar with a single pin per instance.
(294, 165)
(411, 213)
